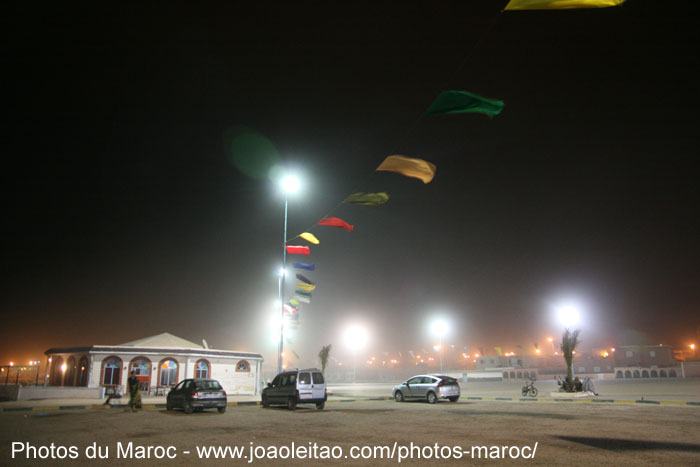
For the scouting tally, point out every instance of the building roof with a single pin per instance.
(163, 340)
(164, 343)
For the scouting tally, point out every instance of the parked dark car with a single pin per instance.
(294, 387)
(197, 394)
(428, 387)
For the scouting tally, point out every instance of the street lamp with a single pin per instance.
(290, 184)
(439, 328)
(568, 315)
(355, 339)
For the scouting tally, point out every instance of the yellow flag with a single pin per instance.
(416, 168)
(306, 287)
(309, 238)
(498, 350)
(560, 4)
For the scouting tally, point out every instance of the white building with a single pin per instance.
(160, 362)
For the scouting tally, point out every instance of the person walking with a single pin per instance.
(134, 392)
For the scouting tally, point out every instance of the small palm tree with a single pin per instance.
(569, 341)
(323, 355)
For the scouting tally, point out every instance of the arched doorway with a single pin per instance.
(69, 379)
(168, 372)
(57, 371)
(83, 371)
(111, 371)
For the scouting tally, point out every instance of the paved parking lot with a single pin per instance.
(565, 433)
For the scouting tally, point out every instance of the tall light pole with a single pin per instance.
(355, 339)
(290, 184)
(440, 328)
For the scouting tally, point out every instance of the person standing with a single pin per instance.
(134, 392)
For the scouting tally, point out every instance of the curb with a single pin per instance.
(363, 399)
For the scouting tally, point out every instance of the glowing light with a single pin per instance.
(605, 354)
(64, 367)
(439, 328)
(355, 337)
(436, 348)
(568, 315)
(537, 351)
(290, 184)
(549, 339)
(12, 363)
(692, 346)
(476, 356)
(613, 349)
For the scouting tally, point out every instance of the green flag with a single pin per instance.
(457, 102)
(367, 199)
(303, 292)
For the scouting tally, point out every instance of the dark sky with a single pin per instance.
(125, 217)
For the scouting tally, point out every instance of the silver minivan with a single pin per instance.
(292, 387)
(429, 388)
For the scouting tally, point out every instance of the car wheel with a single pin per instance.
(398, 395)
(292, 403)
(320, 405)
(265, 402)
(188, 407)
(221, 409)
(432, 398)
(454, 399)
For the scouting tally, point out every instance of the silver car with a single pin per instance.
(428, 387)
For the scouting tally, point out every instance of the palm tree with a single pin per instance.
(569, 341)
(323, 355)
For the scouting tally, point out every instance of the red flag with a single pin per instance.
(336, 222)
(298, 250)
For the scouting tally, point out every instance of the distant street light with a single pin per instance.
(355, 339)
(439, 328)
(290, 184)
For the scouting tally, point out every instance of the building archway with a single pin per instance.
(654, 374)
(141, 366)
(645, 374)
(69, 379)
(628, 374)
(662, 373)
(168, 372)
(111, 371)
(671, 373)
(618, 375)
(636, 373)
(83, 371)
(505, 375)
(56, 371)
(202, 369)
(243, 365)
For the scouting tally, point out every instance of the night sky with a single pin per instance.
(125, 216)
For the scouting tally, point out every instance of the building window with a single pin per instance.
(168, 373)
(242, 366)
(111, 371)
(652, 353)
(629, 354)
(201, 369)
(141, 367)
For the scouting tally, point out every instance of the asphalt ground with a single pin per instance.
(564, 433)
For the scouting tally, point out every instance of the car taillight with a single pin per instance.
(194, 393)
(440, 384)
(224, 393)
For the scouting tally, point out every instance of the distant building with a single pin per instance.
(159, 362)
(645, 361)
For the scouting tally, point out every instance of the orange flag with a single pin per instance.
(410, 167)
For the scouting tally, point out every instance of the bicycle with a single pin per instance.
(529, 389)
